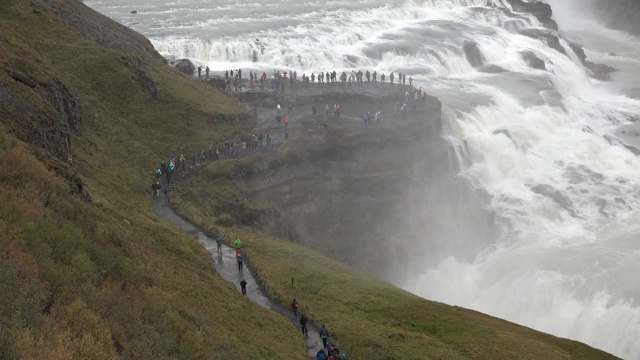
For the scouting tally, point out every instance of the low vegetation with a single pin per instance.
(87, 271)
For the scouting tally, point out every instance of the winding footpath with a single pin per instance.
(225, 263)
(227, 267)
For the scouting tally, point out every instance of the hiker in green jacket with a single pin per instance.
(238, 244)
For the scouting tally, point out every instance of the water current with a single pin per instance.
(544, 145)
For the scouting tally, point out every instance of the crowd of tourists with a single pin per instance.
(279, 79)
(231, 149)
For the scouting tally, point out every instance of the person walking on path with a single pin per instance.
(240, 261)
(219, 244)
(324, 335)
(290, 111)
(303, 324)
(294, 307)
(243, 286)
(156, 188)
(238, 245)
(321, 355)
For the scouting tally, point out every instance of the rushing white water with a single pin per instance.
(542, 144)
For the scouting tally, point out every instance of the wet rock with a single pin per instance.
(473, 53)
(533, 60)
(185, 66)
(540, 10)
(555, 195)
(633, 149)
(600, 71)
(550, 37)
(491, 69)
(218, 82)
(507, 134)
(133, 12)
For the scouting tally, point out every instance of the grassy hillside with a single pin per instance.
(369, 319)
(87, 110)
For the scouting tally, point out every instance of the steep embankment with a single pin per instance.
(87, 109)
(327, 175)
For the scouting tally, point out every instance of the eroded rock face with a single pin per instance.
(542, 11)
(379, 198)
(47, 116)
(51, 133)
(144, 80)
(65, 103)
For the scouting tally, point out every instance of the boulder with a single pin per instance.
(491, 69)
(473, 54)
(184, 66)
(218, 82)
(533, 60)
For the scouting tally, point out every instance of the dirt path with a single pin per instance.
(227, 267)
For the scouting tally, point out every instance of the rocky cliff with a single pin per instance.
(377, 197)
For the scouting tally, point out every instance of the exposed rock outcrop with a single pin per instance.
(533, 60)
(550, 37)
(143, 78)
(555, 195)
(542, 11)
(598, 71)
(379, 176)
(473, 54)
(185, 66)
(491, 69)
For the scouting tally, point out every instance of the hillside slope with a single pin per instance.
(87, 109)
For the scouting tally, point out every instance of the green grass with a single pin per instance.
(109, 279)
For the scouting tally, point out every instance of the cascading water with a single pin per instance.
(541, 143)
